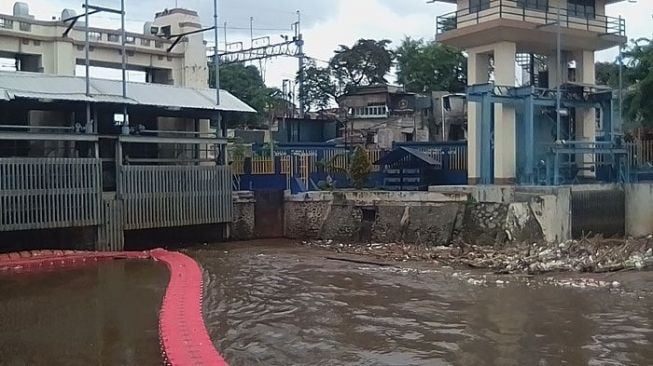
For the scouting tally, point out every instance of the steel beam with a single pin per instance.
(170, 140)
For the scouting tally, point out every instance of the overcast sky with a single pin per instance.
(325, 23)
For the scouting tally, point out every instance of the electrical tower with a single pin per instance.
(263, 48)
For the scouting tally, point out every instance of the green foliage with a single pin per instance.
(327, 185)
(637, 104)
(360, 168)
(238, 151)
(429, 66)
(607, 73)
(245, 83)
(637, 81)
(269, 148)
(319, 89)
(367, 62)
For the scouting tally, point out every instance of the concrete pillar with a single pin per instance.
(585, 117)
(196, 72)
(204, 127)
(62, 59)
(478, 69)
(505, 143)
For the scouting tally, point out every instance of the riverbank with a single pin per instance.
(595, 255)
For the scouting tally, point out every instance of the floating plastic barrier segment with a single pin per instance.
(182, 331)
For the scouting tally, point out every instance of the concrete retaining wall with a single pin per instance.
(432, 218)
(639, 209)
(485, 215)
(551, 207)
(243, 225)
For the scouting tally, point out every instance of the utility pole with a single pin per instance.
(251, 32)
(558, 96)
(87, 78)
(300, 44)
(125, 126)
(90, 10)
(621, 83)
(216, 58)
(225, 38)
(216, 66)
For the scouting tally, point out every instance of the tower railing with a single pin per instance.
(521, 11)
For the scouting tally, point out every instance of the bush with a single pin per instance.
(360, 168)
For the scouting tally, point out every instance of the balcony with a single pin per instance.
(509, 21)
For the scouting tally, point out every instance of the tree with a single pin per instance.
(319, 90)
(246, 84)
(429, 66)
(367, 62)
(637, 104)
(360, 168)
(607, 73)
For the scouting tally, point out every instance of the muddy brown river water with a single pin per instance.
(105, 314)
(281, 304)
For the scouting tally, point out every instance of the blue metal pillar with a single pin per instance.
(487, 175)
(529, 139)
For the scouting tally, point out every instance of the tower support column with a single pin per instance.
(505, 141)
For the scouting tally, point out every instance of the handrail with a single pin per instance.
(509, 10)
(26, 136)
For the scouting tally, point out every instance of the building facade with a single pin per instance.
(383, 114)
(496, 34)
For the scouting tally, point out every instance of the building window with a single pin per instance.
(130, 39)
(145, 42)
(371, 111)
(94, 36)
(166, 30)
(534, 4)
(25, 27)
(113, 38)
(581, 8)
(478, 5)
(6, 23)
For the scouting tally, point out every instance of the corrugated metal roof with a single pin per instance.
(69, 88)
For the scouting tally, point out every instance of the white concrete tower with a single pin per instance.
(193, 71)
(500, 29)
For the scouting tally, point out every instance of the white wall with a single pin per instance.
(639, 209)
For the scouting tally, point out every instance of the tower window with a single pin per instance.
(478, 5)
(534, 4)
(581, 8)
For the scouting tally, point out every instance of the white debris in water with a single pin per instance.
(476, 282)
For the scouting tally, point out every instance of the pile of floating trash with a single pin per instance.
(586, 255)
(578, 256)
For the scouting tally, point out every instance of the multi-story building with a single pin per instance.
(47, 46)
(496, 35)
(384, 114)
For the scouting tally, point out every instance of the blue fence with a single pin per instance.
(315, 166)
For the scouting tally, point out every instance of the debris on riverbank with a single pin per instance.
(587, 255)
